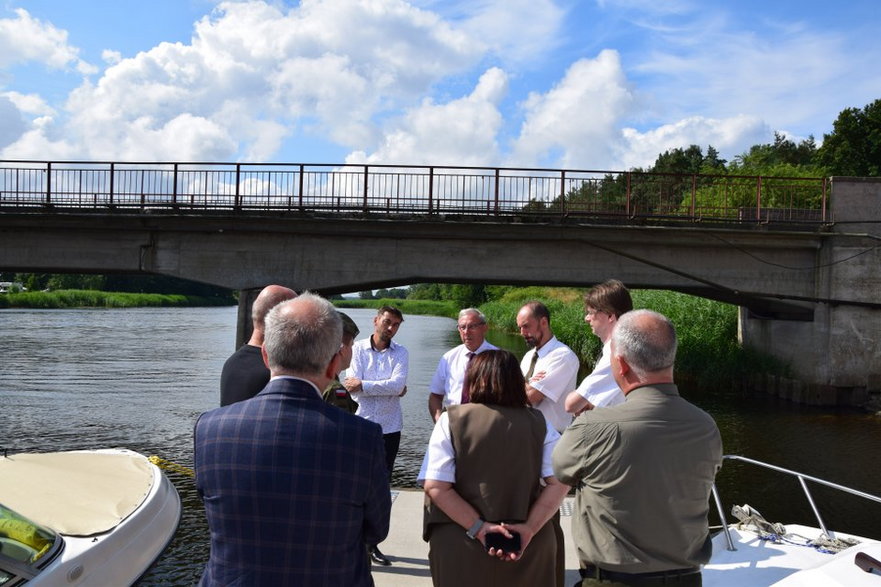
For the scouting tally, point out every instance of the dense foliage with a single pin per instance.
(709, 351)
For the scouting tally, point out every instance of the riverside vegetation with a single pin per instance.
(84, 298)
(709, 353)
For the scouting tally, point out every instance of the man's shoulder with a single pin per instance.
(246, 352)
(456, 350)
(362, 344)
(558, 346)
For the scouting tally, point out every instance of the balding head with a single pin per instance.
(269, 297)
(646, 341)
(303, 337)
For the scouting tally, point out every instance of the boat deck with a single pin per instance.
(409, 553)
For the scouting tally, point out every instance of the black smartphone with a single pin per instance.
(502, 542)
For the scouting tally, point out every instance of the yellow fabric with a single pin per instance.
(75, 493)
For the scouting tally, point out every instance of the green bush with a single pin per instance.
(709, 353)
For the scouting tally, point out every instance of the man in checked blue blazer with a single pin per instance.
(293, 487)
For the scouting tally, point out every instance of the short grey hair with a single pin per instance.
(302, 335)
(475, 311)
(646, 340)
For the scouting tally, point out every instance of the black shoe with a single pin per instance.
(377, 557)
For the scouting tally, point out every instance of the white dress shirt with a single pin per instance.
(560, 366)
(439, 463)
(599, 388)
(383, 376)
(450, 374)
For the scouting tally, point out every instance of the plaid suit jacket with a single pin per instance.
(293, 489)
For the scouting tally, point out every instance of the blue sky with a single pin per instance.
(605, 84)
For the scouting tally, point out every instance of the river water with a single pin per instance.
(138, 378)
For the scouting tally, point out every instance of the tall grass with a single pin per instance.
(709, 353)
(81, 298)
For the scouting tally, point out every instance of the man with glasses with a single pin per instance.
(447, 385)
(603, 306)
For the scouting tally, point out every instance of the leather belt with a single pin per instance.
(670, 577)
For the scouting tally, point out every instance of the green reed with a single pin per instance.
(81, 298)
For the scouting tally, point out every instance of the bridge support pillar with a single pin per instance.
(244, 324)
(838, 354)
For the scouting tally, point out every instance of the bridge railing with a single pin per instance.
(414, 190)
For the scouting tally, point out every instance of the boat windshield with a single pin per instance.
(23, 544)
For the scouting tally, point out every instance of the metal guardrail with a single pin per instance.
(802, 478)
(413, 190)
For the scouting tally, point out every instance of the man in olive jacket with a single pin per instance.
(644, 469)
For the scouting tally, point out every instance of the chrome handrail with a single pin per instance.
(801, 479)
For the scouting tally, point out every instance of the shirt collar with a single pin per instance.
(547, 347)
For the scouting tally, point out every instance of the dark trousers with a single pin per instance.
(392, 442)
(596, 577)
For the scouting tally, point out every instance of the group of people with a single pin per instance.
(300, 471)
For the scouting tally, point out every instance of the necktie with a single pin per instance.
(466, 397)
(532, 365)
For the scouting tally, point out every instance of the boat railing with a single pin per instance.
(802, 479)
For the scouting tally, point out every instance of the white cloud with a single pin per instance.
(111, 57)
(574, 124)
(24, 39)
(515, 31)
(329, 67)
(460, 132)
(731, 135)
(12, 125)
(29, 103)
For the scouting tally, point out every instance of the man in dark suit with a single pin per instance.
(293, 487)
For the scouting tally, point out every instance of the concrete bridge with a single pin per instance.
(806, 278)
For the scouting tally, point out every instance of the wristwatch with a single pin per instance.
(473, 530)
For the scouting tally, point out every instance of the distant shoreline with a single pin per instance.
(81, 298)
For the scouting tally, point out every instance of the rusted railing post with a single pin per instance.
(430, 190)
(759, 198)
(823, 209)
(496, 193)
(48, 183)
(112, 180)
(300, 194)
(237, 200)
(627, 196)
(562, 193)
(364, 195)
(174, 186)
(693, 194)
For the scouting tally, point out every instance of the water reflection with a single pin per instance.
(138, 378)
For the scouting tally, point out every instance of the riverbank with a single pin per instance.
(709, 352)
(82, 298)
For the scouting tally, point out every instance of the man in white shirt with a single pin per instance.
(551, 370)
(446, 387)
(603, 306)
(377, 380)
(550, 367)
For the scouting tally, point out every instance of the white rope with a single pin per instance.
(750, 519)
